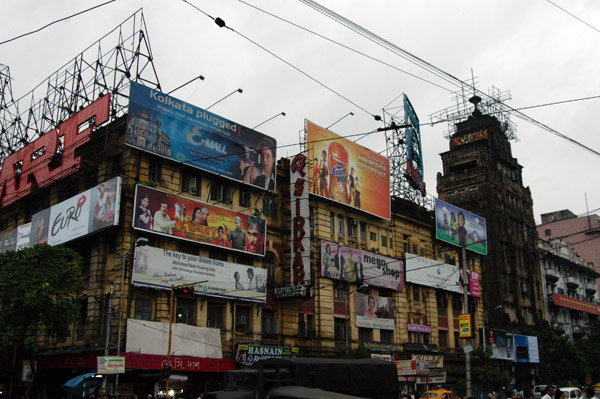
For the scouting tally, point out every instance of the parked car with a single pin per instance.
(438, 394)
(571, 393)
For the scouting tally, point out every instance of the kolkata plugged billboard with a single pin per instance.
(346, 172)
(174, 129)
(456, 226)
(357, 266)
(163, 268)
(374, 312)
(168, 214)
(85, 213)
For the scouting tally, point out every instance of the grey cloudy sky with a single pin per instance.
(532, 50)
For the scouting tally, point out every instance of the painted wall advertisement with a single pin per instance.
(355, 265)
(88, 212)
(171, 215)
(348, 173)
(162, 268)
(174, 129)
(432, 273)
(250, 354)
(374, 312)
(300, 248)
(459, 227)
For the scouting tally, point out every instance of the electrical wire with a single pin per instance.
(56, 21)
(573, 15)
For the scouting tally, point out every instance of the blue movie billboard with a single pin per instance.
(174, 129)
(459, 227)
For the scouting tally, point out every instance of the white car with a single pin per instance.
(539, 391)
(571, 393)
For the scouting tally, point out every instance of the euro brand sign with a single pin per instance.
(34, 159)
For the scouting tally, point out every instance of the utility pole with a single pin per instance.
(107, 338)
(466, 282)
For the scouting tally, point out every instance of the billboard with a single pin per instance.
(171, 215)
(526, 349)
(374, 312)
(163, 268)
(174, 129)
(432, 273)
(348, 173)
(90, 211)
(248, 355)
(414, 161)
(355, 265)
(459, 227)
(300, 248)
(501, 343)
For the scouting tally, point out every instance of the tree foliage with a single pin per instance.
(39, 287)
(487, 372)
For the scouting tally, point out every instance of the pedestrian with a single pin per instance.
(559, 394)
(549, 392)
(589, 393)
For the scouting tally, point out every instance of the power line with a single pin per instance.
(56, 21)
(573, 15)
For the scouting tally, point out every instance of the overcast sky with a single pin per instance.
(533, 51)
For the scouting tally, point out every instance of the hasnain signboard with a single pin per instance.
(174, 129)
(348, 173)
(459, 227)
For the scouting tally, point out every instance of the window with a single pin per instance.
(339, 290)
(154, 170)
(363, 231)
(332, 223)
(341, 225)
(185, 311)
(242, 319)
(270, 205)
(301, 325)
(416, 293)
(442, 302)
(220, 191)
(245, 260)
(310, 325)
(189, 249)
(461, 195)
(218, 255)
(270, 323)
(386, 336)
(364, 334)
(82, 318)
(244, 197)
(373, 236)
(443, 339)
(473, 192)
(190, 183)
(383, 241)
(269, 264)
(450, 197)
(143, 308)
(352, 227)
(548, 232)
(214, 316)
(339, 329)
(456, 340)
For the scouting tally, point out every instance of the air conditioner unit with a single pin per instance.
(193, 185)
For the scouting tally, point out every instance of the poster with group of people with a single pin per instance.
(180, 131)
(172, 215)
(358, 266)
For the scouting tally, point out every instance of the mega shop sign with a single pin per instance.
(34, 159)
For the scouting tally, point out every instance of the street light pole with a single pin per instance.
(171, 324)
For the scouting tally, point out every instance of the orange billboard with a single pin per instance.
(348, 173)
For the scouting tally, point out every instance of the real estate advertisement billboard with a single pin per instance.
(174, 129)
(171, 215)
(358, 266)
(459, 227)
(163, 268)
(346, 172)
(85, 213)
(374, 312)
(436, 274)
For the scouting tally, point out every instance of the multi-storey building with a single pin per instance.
(581, 232)
(481, 175)
(160, 210)
(570, 286)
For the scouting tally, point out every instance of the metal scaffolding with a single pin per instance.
(107, 66)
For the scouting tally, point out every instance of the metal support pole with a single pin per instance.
(346, 315)
(107, 339)
(170, 330)
(466, 282)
